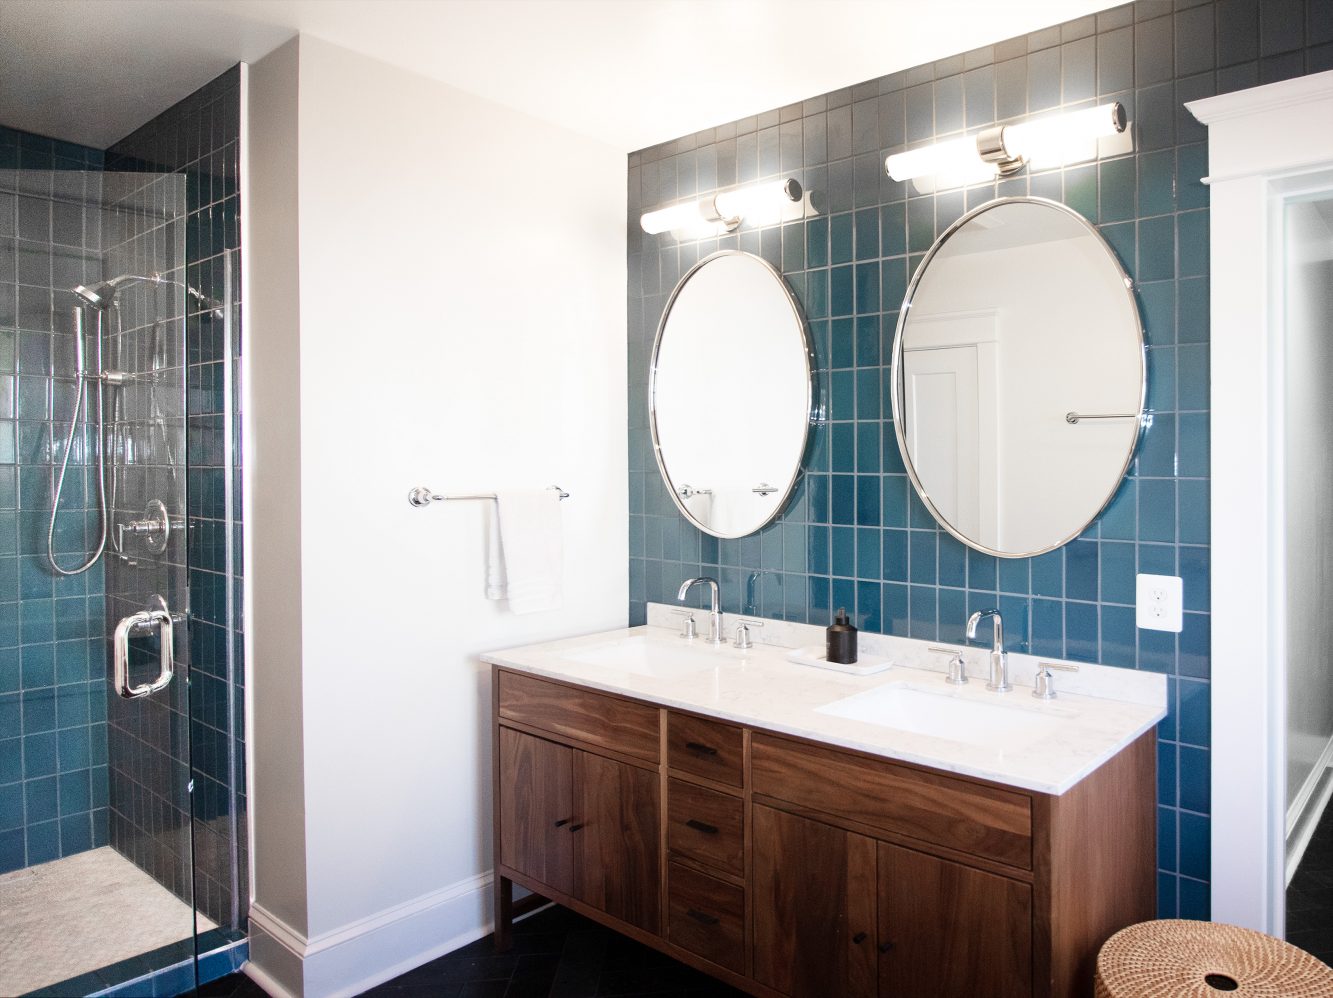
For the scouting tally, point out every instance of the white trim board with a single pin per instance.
(1259, 141)
(1306, 810)
(355, 957)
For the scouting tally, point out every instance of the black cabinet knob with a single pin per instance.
(859, 938)
(702, 826)
(701, 748)
(561, 822)
(575, 828)
(885, 947)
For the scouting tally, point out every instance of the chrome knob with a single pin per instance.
(957, 671)
(1044, 687)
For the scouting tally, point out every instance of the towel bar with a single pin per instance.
(422, 496)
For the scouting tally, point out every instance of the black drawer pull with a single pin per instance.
(859, 938)
(575, 828)
(701, 748)
(702, 917)
(562, 822)
(702, 826)
(885, 947)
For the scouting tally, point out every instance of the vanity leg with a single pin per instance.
(504, 914)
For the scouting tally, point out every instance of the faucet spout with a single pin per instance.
(715, 610)
(998, 681)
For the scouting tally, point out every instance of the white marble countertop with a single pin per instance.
(1053, 744)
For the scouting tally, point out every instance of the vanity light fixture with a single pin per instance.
(1004, 149)
(759, 204)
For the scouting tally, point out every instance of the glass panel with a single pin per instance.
(95, 837)
(1307, 308)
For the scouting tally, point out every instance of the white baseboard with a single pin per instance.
(1307, 808)
(372, 950)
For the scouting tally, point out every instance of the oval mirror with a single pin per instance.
(729, 394)
(1018, 377)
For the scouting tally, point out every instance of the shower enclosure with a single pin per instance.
(122, 859)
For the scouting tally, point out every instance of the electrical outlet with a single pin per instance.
(1160, 601)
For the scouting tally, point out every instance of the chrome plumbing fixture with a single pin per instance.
(714, 612)
(743, 639)
(957, 675)
(687, 628)
(999, 660)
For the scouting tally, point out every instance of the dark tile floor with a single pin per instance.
(1310, 895)
(556, 954)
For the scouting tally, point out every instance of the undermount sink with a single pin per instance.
(642, 657)
(946, 715)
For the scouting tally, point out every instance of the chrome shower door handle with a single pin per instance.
(135, 625)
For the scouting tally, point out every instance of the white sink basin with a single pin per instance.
(947, 715)
(641, 657)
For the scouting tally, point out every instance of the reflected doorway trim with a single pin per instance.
(1263, 145)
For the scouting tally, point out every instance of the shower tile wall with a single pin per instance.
(53, 766)
(855, 534)
(198, 141)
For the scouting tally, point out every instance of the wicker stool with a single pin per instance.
(1174, 958)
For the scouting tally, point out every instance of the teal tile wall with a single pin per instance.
(855, 534)
(53, 766)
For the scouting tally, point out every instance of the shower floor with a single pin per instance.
(78, 914)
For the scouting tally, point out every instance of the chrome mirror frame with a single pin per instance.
(808, 355)
(896, 388)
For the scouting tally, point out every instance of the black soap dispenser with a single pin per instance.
(841, 639)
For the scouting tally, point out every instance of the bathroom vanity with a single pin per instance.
(799, 832)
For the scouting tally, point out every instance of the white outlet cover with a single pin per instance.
(1160, 603)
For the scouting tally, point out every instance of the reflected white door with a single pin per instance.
(940, 389)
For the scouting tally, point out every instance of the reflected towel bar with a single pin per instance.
(422, 496)
(1074, 417)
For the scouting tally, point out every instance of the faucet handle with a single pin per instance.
(743, 639)
(957, 675)
(1044, 686)
(687, 627)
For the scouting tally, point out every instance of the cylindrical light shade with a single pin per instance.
(1064, 138)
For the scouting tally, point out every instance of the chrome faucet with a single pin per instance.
(714, 611)
(999, 660)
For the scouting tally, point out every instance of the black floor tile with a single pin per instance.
(1310, 895)
(556, 954)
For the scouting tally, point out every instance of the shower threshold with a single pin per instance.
(77, 915)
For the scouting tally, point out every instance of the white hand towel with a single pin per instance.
(525, 557)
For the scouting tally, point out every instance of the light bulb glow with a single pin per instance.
(757, 204)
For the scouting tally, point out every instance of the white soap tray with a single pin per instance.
(865, 665)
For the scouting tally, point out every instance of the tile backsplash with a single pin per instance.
(855, 534)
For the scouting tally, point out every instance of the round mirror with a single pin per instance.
(1018, 377)
(729, 394)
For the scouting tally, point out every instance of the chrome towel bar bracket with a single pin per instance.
(422, 496)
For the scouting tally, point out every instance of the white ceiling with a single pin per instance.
(629, 72)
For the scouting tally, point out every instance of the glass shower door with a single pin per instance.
(96, 865)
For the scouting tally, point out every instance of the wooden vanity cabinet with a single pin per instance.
(788, 867)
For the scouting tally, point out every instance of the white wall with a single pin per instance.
(1309, 484)
(462, 326)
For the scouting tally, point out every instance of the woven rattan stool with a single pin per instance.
(1174, 958)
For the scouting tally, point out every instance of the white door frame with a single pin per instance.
(1260, 141)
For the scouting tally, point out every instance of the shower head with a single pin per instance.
(103, 296)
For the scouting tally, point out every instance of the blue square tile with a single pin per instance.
(952, 556)
(1195, 577)
(922, 612)
(819, 597)
(1166, 838)
(1167, 889)
(952, 612)
(893, 230)
(1156, 559)
(844, 594)
(1081, 638)
(1014, 575)
(1157, 510)
(1157, 249)
(1048, 574)
(1079, 69)
(1048, 624)
(1194, 903)
(817, 550)
(895, 565)
(1195, 779)
(893, 280)
(1157, 652)
(868, 393)
(841, 291)
(867, 447)
(867, 554)
(1155, 116)
(1119, 645)
(817, 243)
(1195, 523)
(1011, 89)
(979, 96)
(844, 551)
(867, 500)
(1115, 60)
(1016, 611)
(841, 246)
(1081, 570)
(842, 342)
(1167, 774)
(867, 288)
(868, 607)
(896, 488)
(43, 841)
(1193, 322)
(867, 234)
(1195, 713)
(1193, 234)
(922, 557)
(894, 612)
(982, 571)
(1192, 377)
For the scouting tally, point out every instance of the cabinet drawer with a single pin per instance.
(983, 821)
(706, 826)
(619, 725)
(705, 748)
(707, 917)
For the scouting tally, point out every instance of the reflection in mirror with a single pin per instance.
(729, 394)
(1018, 377)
